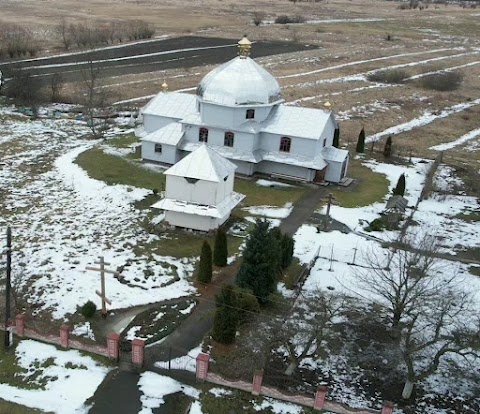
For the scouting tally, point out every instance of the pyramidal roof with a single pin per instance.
(203, 164)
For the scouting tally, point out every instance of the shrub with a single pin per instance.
(246, 303)
(361, 141)
(388, 76)
(205, 267)
(220, 249)
(400, 187)
(443, 81)
(258, 18)
(89, 309)
(387, 150)
(289, 19)
(377, 225)
(225, 321)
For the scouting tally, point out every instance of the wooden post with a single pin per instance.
(102, 271)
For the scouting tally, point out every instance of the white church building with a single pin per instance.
(239, 112)
(199, 191)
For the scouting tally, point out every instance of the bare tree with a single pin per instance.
(56, 86)
(430, 314)
(93, 98)
(24, 89)
(65, 34)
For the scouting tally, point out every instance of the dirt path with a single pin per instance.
(119, 392)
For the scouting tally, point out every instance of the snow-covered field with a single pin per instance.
(62, 220)
(56, 381)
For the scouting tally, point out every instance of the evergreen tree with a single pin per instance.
(288, 245)
(205, 266)
(336, 137)
(261, 262)
(226, 316)
(361, 141)
(400, 187)
(220, 249)
(387, 150)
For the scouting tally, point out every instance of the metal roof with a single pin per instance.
(317, 163)
(334, 154)
(240, 81)
(171, 105)
(296, 121)
(227, 152)
(203, 164)
(170, 134)
(219, 211)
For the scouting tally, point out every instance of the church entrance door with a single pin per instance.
(320, 175)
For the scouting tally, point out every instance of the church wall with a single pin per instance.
(269, 167)
(261, 113)
(243, 167)
(224, 189)
(299, 146)
(169, 154)
(191, 221)
(216, 136)
(153, 122)
(202, 192)
(334, 171)
(328, 132)
(231, 117)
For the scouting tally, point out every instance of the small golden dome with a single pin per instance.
(165, 86)
(327, 105)
(244, 46)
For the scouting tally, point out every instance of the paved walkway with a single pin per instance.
(119, 393)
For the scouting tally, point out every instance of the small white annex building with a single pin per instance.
(199, 191)
(238, 111)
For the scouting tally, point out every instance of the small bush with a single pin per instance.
(258, 18)
(443, 81)
(289, 19)
(89, 309)
(388, 76)
(377, 225)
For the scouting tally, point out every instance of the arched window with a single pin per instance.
(285, 144)
(203, 135)
(228, 140)
(250, 114)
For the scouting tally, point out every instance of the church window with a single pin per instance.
(158, 148)
(325, 142)
(203, 135)
(191, 180)
(285, 144)
(228, 140)
(250, 114)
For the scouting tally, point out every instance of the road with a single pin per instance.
(145, 56)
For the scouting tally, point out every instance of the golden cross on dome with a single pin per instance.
(244, 47)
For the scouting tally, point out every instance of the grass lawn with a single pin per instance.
(272, 196)
(117, 170)
(10, 371)
(182, 244)
(369, 188)
(123, 141)
(12, 408)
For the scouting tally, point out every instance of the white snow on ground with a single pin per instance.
(187, 362)
(219, 392)
(268, 183)
(269, 211)
(62, 220)
(188, 310)
(460, 141)
(132, 333)
(155, 387)
(196, 408)
(427, 118)
(278, 407)
(83, 329)
(70, 379)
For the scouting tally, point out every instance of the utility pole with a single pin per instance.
(102, 271)
(8, 287)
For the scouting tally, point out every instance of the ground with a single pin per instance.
(62, 189)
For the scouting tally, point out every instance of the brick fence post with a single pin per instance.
(257, 382)
(320, 396)
(201, 369)
(138, 352)
(64, 335)
(113, 340)
(20, 324)
(387, 407)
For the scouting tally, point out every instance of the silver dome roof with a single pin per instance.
(240, 81)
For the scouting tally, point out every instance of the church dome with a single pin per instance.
(240, 81)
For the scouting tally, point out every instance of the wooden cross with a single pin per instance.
(330, 200)
(102, 271)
